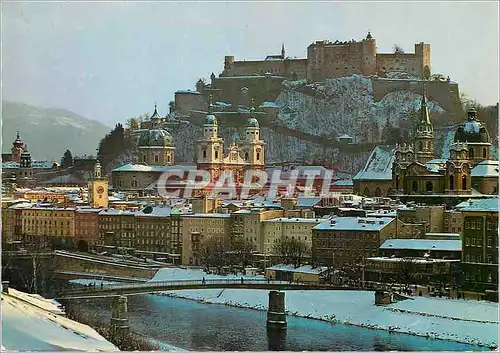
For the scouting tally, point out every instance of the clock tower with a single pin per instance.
(98, 188)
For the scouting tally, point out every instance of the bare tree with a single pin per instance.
(407, 270)
(398, 49)
(242, 250)
(291, 251)
(212, 253)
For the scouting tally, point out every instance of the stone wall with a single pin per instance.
(64, 263)
(445, 94)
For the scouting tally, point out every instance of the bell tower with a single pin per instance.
(424, 136)
(209, 150)
(98, 188)
(253, 146)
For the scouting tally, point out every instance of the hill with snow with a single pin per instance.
(50, 132)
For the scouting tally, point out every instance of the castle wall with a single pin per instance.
(289, 68)
(326, 59)
(409, 63)
(445, 94)
(260, 88)
(187, 101)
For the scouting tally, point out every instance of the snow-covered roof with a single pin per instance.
(486, 169)
(481, 205)
(131, 167)
(115, 212)
(293, 220)
(345, 136)
(307, 201)
(155, 212)
(343, 182)
(355, 223)
(383, 213)
(422, 244)
(34, 164)
(209, 215)
(302, 269)
(187, 92)
(268, 104)
(26, 327)
(436, 164)
(415, 260)
(379, 165)
(88, 210)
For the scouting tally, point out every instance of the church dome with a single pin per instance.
(252, 122)
(155, 138)
(18, 143)
(211, 119)
(472, 130)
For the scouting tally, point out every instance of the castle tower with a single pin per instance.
(253, 146)
(98, 188)
(424, 137)
(369, 63)
(209, 151)
(17, 149)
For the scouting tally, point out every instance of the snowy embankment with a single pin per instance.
(26, 327)
(463, 321)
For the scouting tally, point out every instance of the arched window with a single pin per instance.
(366, 192)
(134, 183)
(157, 158)
(471, 152)
(428, 186)
(204, 153)
(168, 158)
(397, 182)
(246, 155)
(414, 186)
(452, 182)
(258, 156)
(464, 182)
(484, 153)
(145, 158)
(216, 154)
(420, 145)
(378, 192)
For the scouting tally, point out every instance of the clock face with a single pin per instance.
(100, 190)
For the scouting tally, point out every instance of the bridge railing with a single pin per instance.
(185, 283)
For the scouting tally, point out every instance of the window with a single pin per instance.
(246, 155)
(157, 158)
(204, 153)
(467, 241)
(258, 156)
(471, 152)
(473, 241)
(216, 154)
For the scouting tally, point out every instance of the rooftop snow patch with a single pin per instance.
(355, 224)
(481, 205)
(422, 244)
(379, 165)
(307, 269)
(486, 169)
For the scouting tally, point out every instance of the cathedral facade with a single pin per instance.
(155, 154)
(414, 169)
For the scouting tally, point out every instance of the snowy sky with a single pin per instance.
(112, 60)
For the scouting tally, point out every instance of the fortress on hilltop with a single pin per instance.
(326, 59)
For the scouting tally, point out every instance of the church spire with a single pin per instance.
(210, 105)
(282, 50)
(424, 112)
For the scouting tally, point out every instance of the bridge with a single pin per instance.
(163, 286)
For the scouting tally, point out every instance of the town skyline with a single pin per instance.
(88, 59)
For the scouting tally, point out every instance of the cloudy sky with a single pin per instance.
(110, 61)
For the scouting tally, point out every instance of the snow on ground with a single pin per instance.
(457, 320)
(26, 327)
(37, 300)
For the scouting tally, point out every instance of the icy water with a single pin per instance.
(190, 325)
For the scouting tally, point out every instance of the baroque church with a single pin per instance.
(155, 154)
(413, 169)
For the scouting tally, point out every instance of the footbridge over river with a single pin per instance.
(163, 286)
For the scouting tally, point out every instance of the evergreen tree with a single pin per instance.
(67, 159)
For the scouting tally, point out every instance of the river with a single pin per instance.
(190, 325)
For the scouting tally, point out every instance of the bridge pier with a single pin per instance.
(119, 315)
(276, 317)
